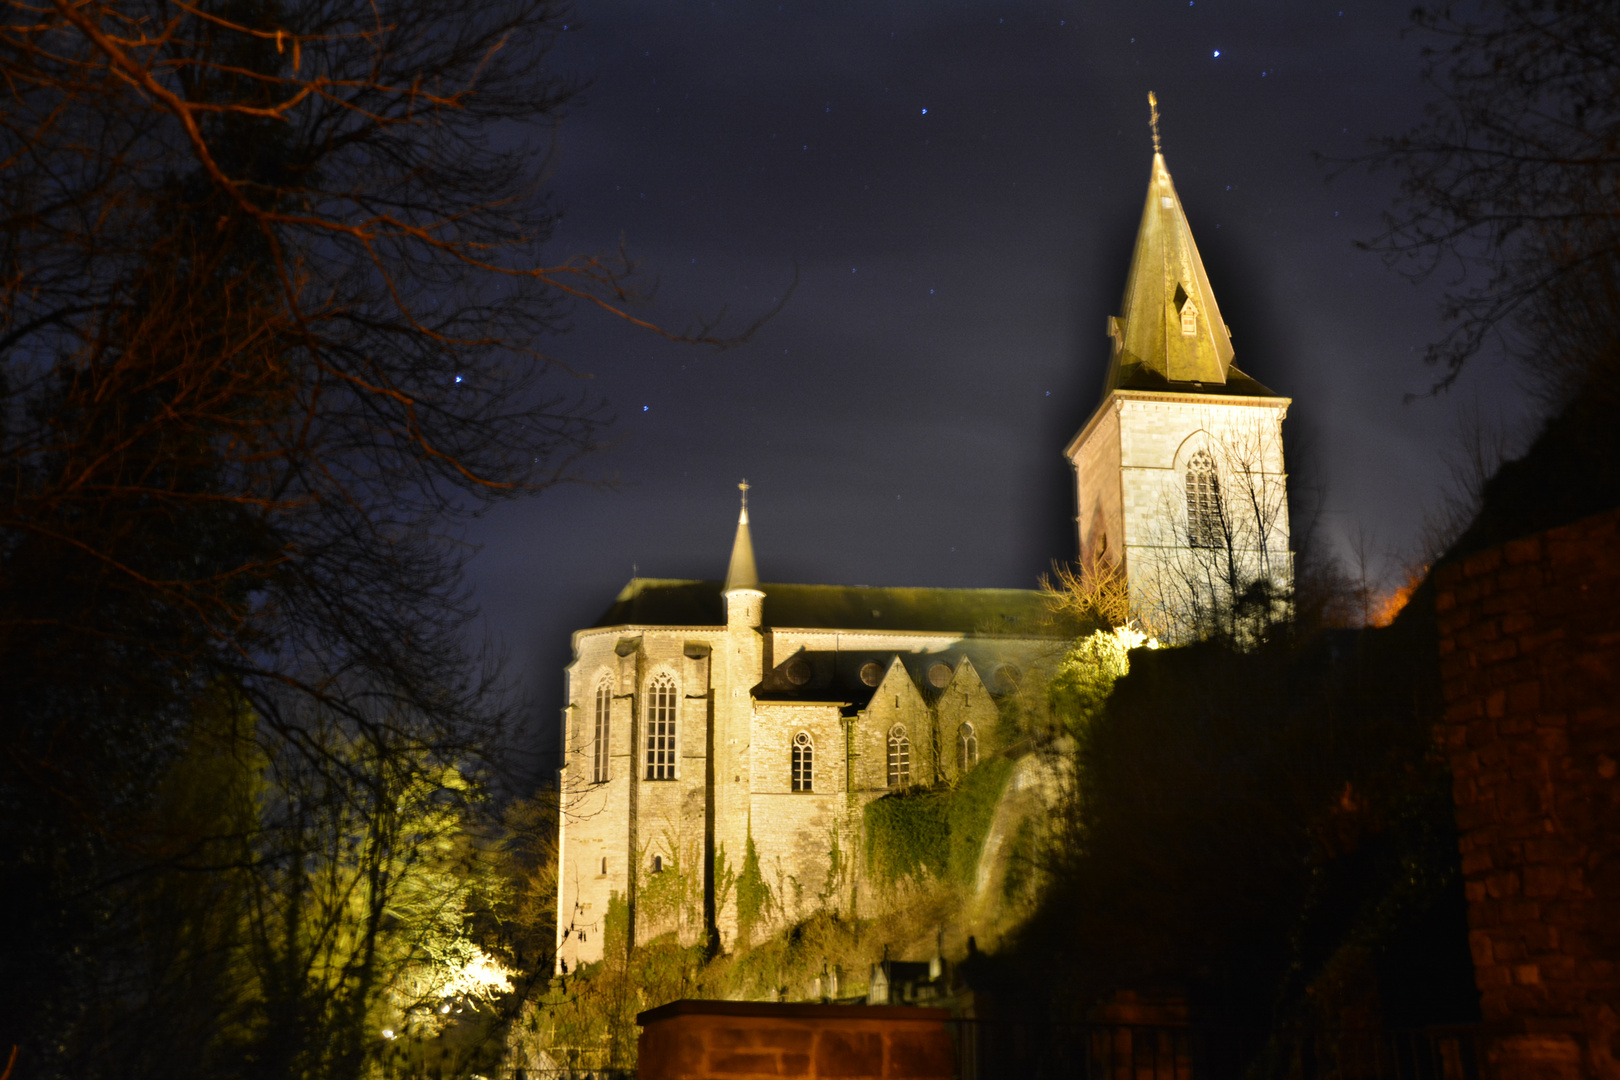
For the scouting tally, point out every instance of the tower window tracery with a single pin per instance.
(661, 728)
(604, 712)
(804, 752)
(1203, 502)
(899, 757)
(967, 747)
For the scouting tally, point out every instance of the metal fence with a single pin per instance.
(1019, 1050)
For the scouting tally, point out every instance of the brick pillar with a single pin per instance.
(1529, 652)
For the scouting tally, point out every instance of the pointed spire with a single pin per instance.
(1169, 323)
(741, 573)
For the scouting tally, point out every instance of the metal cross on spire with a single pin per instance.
(1153, 113)
(743, 487)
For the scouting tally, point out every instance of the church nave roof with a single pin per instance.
(676, 602)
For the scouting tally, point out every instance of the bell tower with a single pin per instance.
(1179, 476)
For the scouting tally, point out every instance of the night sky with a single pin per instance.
(958, 186)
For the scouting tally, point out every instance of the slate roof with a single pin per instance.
(674, 602)
(1134, 376)
(1166, 276)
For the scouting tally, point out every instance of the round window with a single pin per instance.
(798, 671)
(940, 675)
(871, 673)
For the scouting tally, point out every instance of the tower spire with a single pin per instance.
(741, 573)
(1169, 328)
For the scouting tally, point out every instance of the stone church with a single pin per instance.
(717, 729)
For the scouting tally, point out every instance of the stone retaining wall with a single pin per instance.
(1529, 650)
(744, 1040)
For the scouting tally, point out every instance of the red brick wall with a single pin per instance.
(1529, 652)
(734, 1040)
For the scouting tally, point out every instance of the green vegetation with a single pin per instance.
(1084, 678)
(754, 897)
(674, 896)
(923, 863)
(908, 836)
(968, 816)
(934, 835)
(248, 414)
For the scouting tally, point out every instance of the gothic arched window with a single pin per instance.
(967, 747)
(661, 728)
(604, 712)
(1204, 526)
(804, 752)
(899, 757)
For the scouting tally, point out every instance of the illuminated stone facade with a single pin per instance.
(885, 688)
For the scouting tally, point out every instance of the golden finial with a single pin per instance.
(743, 487)
(1153, 112)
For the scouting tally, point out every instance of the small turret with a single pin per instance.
(744, 601)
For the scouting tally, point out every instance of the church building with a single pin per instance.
(722, 739)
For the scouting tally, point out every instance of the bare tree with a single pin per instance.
(1094, 596)
(1509, 181)
(275, 271)
(1217, 562)
(275, 318)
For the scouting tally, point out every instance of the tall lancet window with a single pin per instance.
(661, 728)
(804, 752)
(967, 747)
(1203, 502)
(604, 714)
(899, 757)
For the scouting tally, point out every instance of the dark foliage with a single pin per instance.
(1240, 819)
(273, 326)
(1571, 471)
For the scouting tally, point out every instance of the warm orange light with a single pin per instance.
(1390, 604)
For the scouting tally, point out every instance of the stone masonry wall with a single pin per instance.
(1530, 649)
(794, 830)
(648, 841)
(1099, 514)
(711, 1040)
(1154, 445)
